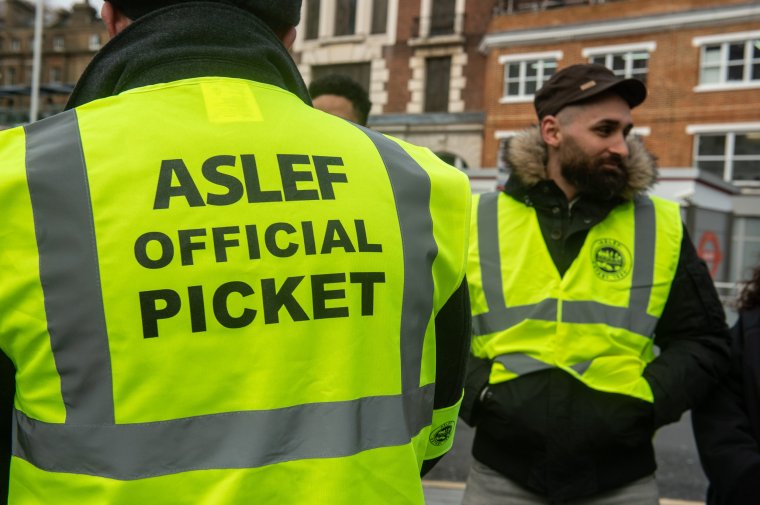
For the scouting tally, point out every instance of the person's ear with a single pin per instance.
(288, 37)
(550, 131)
(114, 19)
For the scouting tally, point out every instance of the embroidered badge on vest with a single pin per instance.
(611, 259)
(442, 433)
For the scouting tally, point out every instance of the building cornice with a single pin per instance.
(621, 26)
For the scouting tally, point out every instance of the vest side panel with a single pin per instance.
(24, 335)
(667, 253)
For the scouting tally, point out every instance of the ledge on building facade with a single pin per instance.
(428, 119)
(341, 39)
(621, 26)
(694, 187)
(45, 89)
(437, 40)
(696, 174)
(517, 6)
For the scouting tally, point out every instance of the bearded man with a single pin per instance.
(594, 321)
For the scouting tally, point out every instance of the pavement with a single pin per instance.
(679, 474)
(439, 492)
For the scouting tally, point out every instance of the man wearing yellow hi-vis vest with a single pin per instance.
(594, 321)
(213, 293)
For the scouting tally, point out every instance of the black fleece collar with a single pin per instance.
(194, 39)
(545, 195)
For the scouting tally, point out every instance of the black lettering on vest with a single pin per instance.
(291, 177)
(187, 188)
(252, 237)
(222, 243)
(150, 313)
(141, 250)
(187, 246)
(197, 309)
(212, 174)
(367, 281)
(253, 182)
(270, 239)
(361, 238)
(320, 295)
(222, 310)
(326, 178)
(309, 246)
(336, 236)
(274, 300)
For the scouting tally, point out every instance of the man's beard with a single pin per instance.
(589, 175)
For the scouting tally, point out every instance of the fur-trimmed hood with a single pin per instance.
(527, 159)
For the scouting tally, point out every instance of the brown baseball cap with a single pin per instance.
(577, 83)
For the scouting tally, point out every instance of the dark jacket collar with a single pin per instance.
(545, 196)
(186, 40)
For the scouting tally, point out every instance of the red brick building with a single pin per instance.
(70, 40)
(418, 59)
(700, 60)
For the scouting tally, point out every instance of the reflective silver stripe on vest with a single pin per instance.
(488, 247)
(90, 442)
(69, 270)
(249, 439)
(499, 317)
(633, 318)
(522, 364)
(411, 190)
(500, 320)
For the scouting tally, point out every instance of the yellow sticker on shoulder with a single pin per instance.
(230, 102)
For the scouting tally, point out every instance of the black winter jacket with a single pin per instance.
(727, 424)
(548, 431)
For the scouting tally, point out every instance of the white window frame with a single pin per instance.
(739, 241)
(724, 41)
(624, 50)
(94, 42)
(56, 75)
(426, 10)
(59, 43)
(522, 59)
(641, 131)
(501, 135)
(362, 29)
(15, 44)
(730, 131)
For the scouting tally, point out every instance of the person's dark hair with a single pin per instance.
(342, 85)
(750, 295)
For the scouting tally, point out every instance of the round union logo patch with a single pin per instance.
(611, 259)
(441, 434)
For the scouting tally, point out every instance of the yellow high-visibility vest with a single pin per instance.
(597, 321)
(214, 294)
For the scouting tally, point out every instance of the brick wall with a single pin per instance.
(398, 56)
(672, 104)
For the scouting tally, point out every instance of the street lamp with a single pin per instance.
(36, 62)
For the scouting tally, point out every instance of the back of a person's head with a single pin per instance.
(278, 14)
(344, 86)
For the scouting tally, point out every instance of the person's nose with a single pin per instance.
(619, 146)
